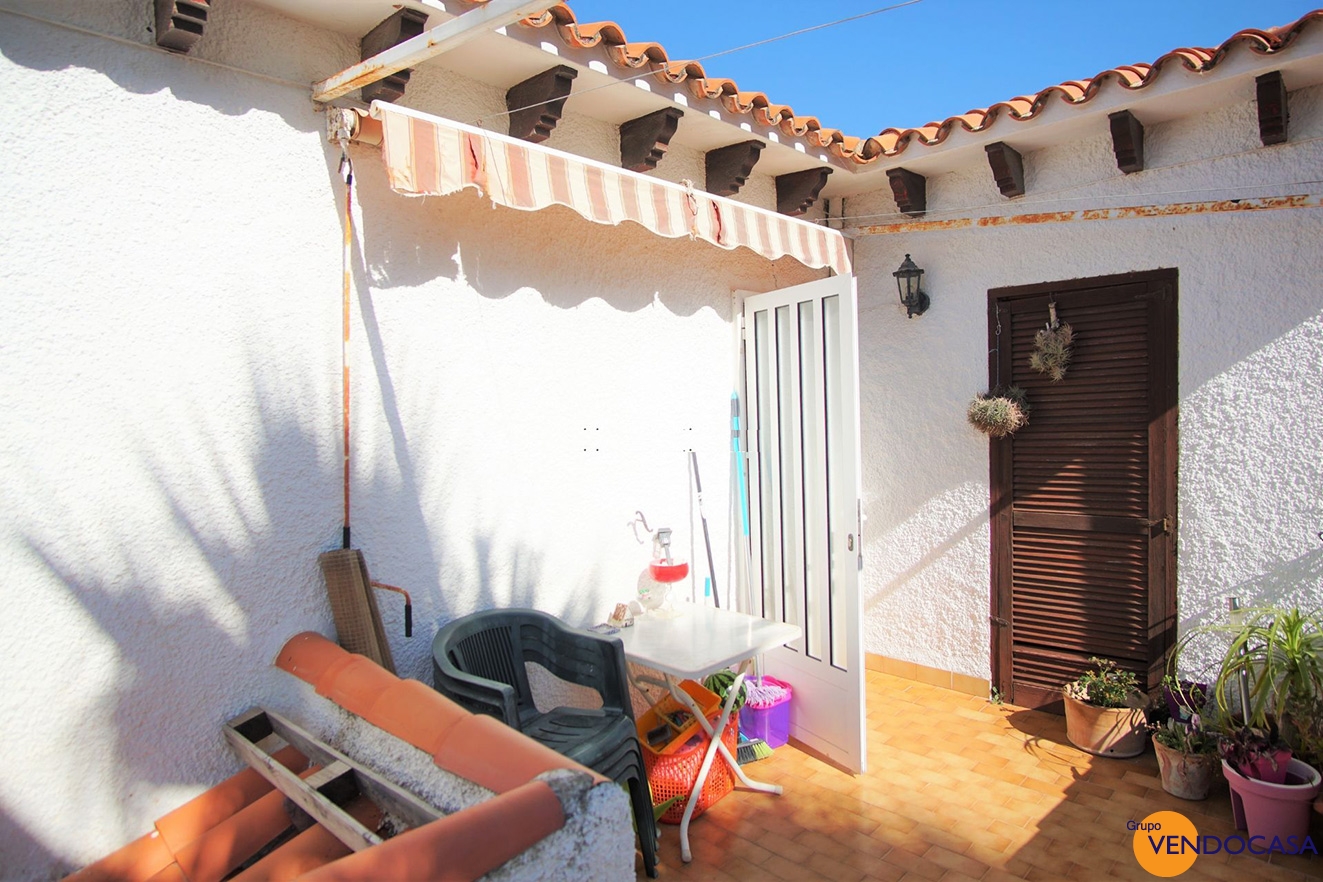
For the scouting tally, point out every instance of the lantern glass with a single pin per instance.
(909, 279)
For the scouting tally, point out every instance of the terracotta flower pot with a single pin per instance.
(1270, 810)
(1187, 775)
(1105, 731)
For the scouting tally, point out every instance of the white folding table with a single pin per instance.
(691, 643)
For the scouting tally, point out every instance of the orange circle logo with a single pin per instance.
(1165, 843)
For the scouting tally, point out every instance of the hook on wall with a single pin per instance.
(634, 525)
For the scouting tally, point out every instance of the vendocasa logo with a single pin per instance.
(1167, 844)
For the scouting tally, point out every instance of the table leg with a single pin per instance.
(714, 744)
(735, 767)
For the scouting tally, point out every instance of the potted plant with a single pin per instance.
(1184, 698)
(1052, 350)
(1187, 757)
(1105, 711)
(1000, 412)
(1267, 690)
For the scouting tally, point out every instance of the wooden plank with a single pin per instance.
(338, 781)
(387, 795)
(442, 38)
(323, 810)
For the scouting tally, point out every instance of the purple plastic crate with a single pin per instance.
(771, 723)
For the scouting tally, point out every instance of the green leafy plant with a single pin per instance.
(1105, 685)
(1280, 654)
(1000, 412)
(1190, 738)
(995, 696)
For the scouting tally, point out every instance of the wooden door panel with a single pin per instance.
(1083, 496)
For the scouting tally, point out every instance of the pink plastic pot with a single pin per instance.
(1269, 810)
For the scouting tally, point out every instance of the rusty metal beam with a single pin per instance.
(1132, 212)
(429, 44)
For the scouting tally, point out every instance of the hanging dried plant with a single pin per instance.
(1052, 352)
(999, 413)
(1052, 345)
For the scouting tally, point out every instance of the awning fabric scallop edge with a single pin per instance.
(427, 155)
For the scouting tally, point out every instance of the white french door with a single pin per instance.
(802, 434)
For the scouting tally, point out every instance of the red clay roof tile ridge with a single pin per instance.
(462, 846)
(893, 140)
(480, 749)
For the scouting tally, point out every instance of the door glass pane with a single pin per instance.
(788, 433)
(813, 535)
(766, 519)
(837, 610)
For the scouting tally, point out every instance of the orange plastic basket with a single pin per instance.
(674, 774)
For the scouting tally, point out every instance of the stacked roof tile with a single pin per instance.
(610, 37)
(243, 823)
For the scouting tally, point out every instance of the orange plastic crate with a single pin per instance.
(706, 699)
(674, 773)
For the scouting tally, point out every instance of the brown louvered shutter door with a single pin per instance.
(1083, 497)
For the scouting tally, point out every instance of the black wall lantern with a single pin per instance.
(908, 279)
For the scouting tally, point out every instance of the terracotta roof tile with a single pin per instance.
(488, 752)
(458, 847)
(416, 713)
(138, 861)
(195, 817)
(357, 685)
(481, 749)
(212, 835)
(308, 656)
(302, 854)
(609, 36)
(171, 873)
(223, 848)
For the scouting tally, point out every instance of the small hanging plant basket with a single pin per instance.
(1000, 412)
(1052, 347)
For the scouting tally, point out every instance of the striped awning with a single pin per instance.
(426, 155)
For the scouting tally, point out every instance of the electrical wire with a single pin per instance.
(723, 52)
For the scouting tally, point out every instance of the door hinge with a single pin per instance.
(998, 620)
(1163, 524)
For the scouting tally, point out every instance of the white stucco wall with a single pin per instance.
(169, 440)
(1251, 345)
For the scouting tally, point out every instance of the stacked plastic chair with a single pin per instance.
(479, 661)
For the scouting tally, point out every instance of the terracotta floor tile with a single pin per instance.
(952, 860)
(914, 865)
(791, 871)
(996, 795)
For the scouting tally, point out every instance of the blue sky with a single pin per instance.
(930, 60)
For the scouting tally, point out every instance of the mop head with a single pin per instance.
(765, 694)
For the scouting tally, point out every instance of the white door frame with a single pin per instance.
(801, 431)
